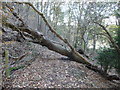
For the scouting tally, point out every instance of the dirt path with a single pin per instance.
(50, 72)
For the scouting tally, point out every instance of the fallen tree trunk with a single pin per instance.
(37, 37)
(75, 56)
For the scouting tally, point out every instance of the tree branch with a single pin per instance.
(44, 42)
(51, 29)
(76, 55)
(109, 37)
(39, 39)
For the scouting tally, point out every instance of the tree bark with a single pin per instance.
(110, 37)
(38, 38)
(74, 55)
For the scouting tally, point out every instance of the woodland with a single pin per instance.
(49, 44)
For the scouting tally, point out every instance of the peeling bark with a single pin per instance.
(38, 38)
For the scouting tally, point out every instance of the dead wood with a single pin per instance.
(38, 38)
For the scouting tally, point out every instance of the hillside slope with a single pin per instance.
(50, 72)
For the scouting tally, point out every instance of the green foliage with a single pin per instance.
(109, 57)
(117, 38)
(117, 13)
(9, 69)
(106, 58)
(15, 68)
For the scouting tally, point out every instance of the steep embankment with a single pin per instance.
(50, 72)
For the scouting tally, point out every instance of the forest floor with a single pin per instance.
(50, 71)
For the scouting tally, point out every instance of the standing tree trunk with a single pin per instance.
(36, 37)
(94, 42)
(109, 37)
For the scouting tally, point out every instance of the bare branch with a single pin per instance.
(44, 42)
(39, 39)
(51, 29)
(109, 37)
(15, 14)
